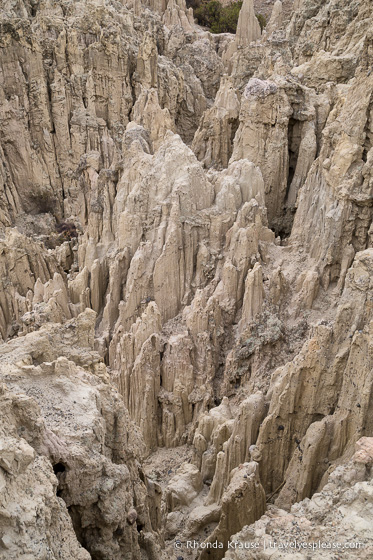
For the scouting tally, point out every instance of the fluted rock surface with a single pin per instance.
(66, 431)
(336, 519)
(186, 275)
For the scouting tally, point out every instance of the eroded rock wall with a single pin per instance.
(186, 263)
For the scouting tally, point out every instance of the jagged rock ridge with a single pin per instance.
(186, 262)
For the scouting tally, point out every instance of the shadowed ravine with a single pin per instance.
(186, 293)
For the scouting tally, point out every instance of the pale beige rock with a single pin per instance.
(213, 430)
(248, 28)
(22, 263)
(242, 503)
(183, 487)
(253, 296)
(238, 448)
(202, 516)
(262, 137)
(335, 172)
(340, 513)
(308, 285)
(175, 279)
(325, 363)
(178, 14)
(212, 142)
(148, 113)
(28, 488)
(307, 153)
(94, 447)
(248, 31)
(275, 21)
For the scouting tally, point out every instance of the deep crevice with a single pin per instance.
(282, 224)
(77, 525)
(59, 468)
(293, 149)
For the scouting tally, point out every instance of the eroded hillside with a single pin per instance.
(186, 257)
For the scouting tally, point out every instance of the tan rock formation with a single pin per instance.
(275, 21)
(317, 390)
(239, 184)
(212, 142)
(69, 417)
(253, 297)
(345, 194)
(337, 518)
(22, 263)
(35, 522)
(183, 487)
(269, 134)
(178, 14)
(248, 31)
(146, 307)
(243, 501)
(248, 28)
(238, 448)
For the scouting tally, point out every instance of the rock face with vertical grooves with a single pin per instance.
(248, 28)
(186, 263)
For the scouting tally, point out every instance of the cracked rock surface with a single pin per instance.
(186, 264)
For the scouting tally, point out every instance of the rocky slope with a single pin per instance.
(186, 278)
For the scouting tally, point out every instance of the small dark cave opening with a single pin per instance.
(234, 124)
(59, 468)
(119, 532)
(141, 475)
(368, 142)
(283, 225)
